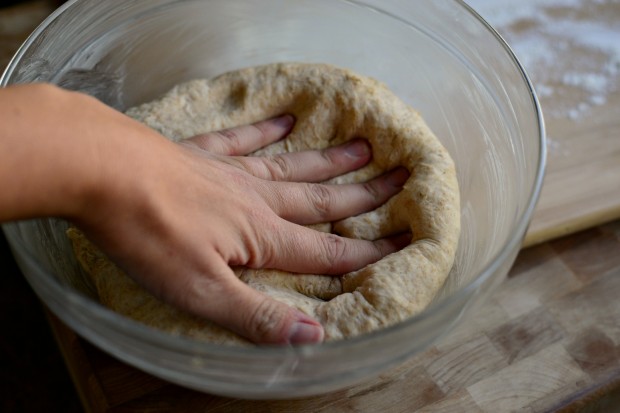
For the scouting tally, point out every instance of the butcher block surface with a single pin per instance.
(548, 339)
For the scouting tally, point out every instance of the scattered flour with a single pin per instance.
(570, 49)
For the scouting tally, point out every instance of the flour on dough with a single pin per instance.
(331, 105)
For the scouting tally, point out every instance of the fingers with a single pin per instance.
(306, 166)
(313, 252)
(227, 301)
(316, 203)
(244, 139)
(310, 166)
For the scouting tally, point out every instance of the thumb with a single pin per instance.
(233, 304)
(265, 320)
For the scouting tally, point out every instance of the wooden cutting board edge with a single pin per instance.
(540, 232)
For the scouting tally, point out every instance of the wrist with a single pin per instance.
(63, 153)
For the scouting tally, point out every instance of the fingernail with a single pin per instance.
(305, 331)
(398, 177)
(357, 149)
(284, 121)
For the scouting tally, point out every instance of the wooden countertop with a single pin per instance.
(548, 339)
(571, 50)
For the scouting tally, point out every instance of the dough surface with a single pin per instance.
(331, 105)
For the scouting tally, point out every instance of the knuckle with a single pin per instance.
(263, 246)
(279, 168)
(379, 249)
(230, 140)
(260, 256)
(266, 319)
(249, 164)
(328, 156)
(321, 199)
(335, 251)
(372, 190)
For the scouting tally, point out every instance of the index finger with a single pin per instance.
(303, 250)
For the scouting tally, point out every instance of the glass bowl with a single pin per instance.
(441, 58)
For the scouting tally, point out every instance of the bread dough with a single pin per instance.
(331, 105)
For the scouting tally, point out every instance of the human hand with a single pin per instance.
(176, 217)
(211, 208)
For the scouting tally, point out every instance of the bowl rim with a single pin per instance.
(196, 347)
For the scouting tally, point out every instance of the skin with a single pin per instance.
(176, 216)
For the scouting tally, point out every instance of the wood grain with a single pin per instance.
(582, 186)
(551, 344)
(527, 334)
